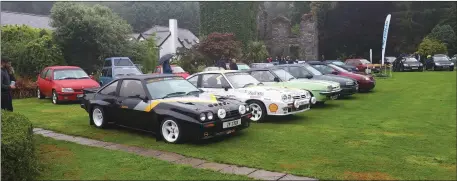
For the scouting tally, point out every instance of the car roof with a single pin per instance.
(261, 68)
(64, 67)
(217, 72)
(147, 76)
(292, 65)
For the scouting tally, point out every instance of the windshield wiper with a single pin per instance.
(83, 78)
(248, 85)
(192, 92)
(292, 78)
(68, 78)
(173, 94)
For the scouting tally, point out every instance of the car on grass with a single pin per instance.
(167, 105)
(175, 69)
(305, 71)
(63, 83)
(343, 65)
(407, 64)
(263, 100)
(117, 66)
(261, 65)
(363, 64)
(439, 62)
(366, 82)
(320, 90)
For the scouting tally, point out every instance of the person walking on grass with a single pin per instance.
(7, 86)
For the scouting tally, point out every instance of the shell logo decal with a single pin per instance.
(147, 107)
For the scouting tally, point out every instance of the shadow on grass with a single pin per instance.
(324, 106)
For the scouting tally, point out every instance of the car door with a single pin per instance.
(214, 83)
(41, 80)
(47, 83)
(131, 93)
(108, 95)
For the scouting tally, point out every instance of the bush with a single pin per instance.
(18, 150)
(430, 46)
(217, 45)
(191, 59)
(25, 88)
(256, 51)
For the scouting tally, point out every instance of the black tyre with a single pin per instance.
(97, 117)
(451, 69)
(171, 130)
(39, 94)
(55, 97)
(259, 112)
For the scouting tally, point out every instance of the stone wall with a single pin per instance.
(309, 41)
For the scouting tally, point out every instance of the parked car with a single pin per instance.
(402, 64)
(305, 71)
(117, 66)
(212, 69)
(343, 65)
(365, 82)
(63, 83)
(389, 60)
(167, 105)
(320, 90)
(175, 69)
(363, 64)
(440, 62)
(263, 100)
(261, 65)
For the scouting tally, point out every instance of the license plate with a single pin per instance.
(414, 68)
(230, 124)
(446, 66)
(302, 102)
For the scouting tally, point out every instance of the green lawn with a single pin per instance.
(62, 160)
(405, 129)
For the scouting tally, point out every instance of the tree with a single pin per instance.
(143, 52)
(235, 17)
(430, 46)
(86, 34)
(443, 33)
(217, 45)
(256, 52)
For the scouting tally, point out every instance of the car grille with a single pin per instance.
(218, 104)
(77, 90)
(232, 114)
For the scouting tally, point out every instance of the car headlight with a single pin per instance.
(221, 113)
(202, 117)
(349, 83)
(405, 65)
(452, 64)
(307, 94)
(210, 116)
(284, 98)
(329, 88)
(67, 90)
(437, 64)
(296, 105)
(420, 64)
(366, 78)
(242, 109)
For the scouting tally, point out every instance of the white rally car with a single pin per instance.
(263, 100)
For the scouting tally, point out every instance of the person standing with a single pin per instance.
(166, 67)
(221, 63)
(10, 70)
(7, 98)
(233, 65)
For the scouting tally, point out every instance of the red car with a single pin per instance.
(366, 82)
(63, 83)
(363, 64)
(175, 69)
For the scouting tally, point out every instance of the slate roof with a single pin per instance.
(185, 37)
(33, 20)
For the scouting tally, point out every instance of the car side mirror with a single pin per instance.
(276, 79)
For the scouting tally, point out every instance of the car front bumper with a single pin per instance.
(68, 96)
(349, 90)
(443, 67)
(413, 68)
(367, 84)
(288, 109)
(215, 128)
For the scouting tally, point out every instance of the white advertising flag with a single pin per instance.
(384, 38)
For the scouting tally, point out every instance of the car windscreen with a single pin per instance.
(176, 69)
(441, 59)
(364, 61)
(338, 63)
(312, 70)
(121, 71)
(410, 60)
(171, 86)
(323, 68)
(283, 75)
(243, 67)
(122, 62)
(338, 68)
(240, 80)
(62, 74)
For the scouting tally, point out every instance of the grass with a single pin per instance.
(404, 129)
(64, 160)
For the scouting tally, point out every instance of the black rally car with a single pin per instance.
(165, 104)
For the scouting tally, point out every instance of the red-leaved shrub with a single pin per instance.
(25, 88)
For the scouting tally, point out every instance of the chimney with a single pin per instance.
(174, 35)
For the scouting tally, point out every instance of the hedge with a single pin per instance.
(19, 161)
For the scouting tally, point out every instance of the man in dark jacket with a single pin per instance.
(7, 98)
(233, 65)
(166, 67)
(222, 63)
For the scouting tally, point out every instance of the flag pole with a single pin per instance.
(384, 39)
